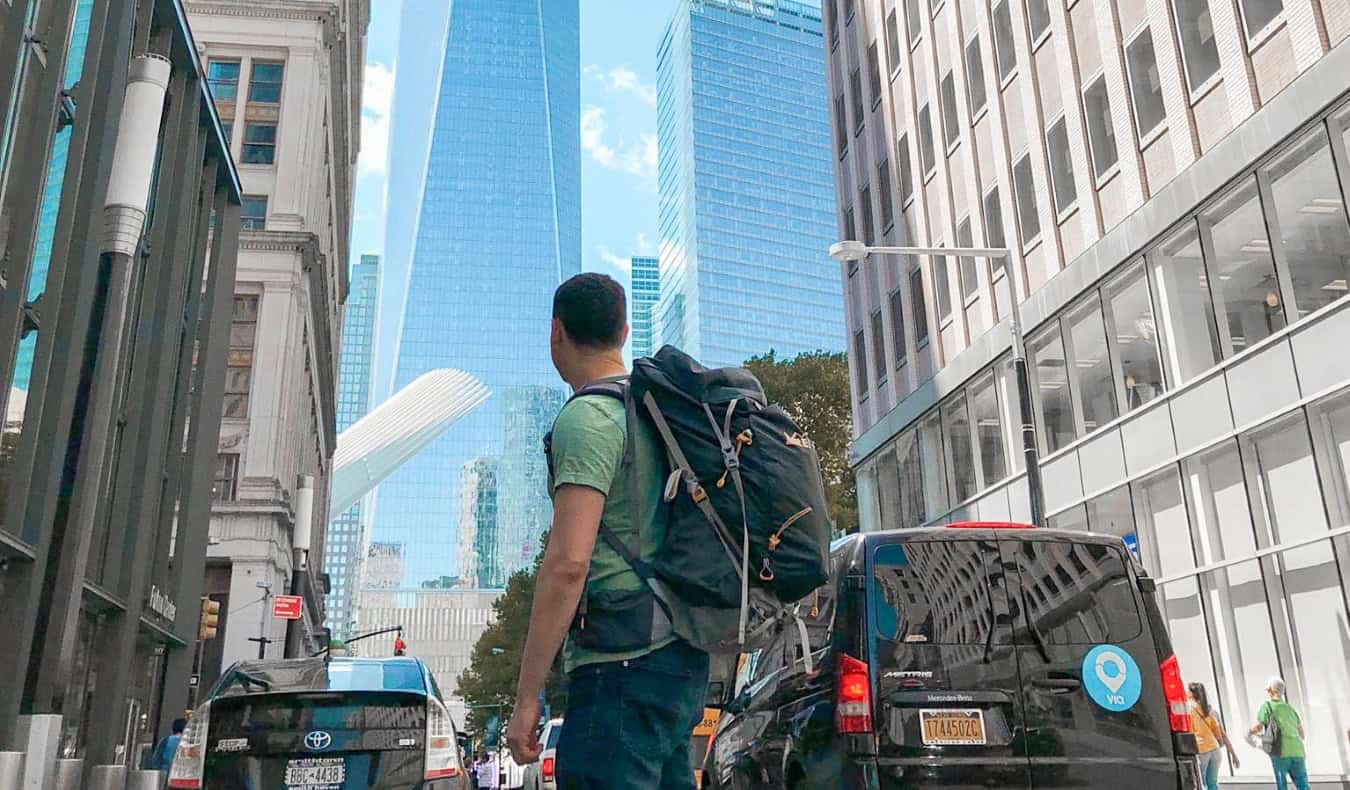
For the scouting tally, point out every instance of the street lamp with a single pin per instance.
(850, 251)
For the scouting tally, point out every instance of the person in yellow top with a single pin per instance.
(1209, 735)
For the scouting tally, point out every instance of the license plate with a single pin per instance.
(316, 773)
(952, 727)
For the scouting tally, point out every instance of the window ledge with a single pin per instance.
(1272, 28)
(876, 103)
(905, 203)
(953, 145)
(945, 322)
(971, 300)
(858, 130)
(1004, 82)
(1108, 176)
(1152, 136)
(1067, 214)
(914, 44)
(937, 9)
(928, 176)
(895, 72)
(889, 226)
(1031, 245)
(978, 115)
(1040, 40)
(1207, 88)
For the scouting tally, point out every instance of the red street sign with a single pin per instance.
(287, 607)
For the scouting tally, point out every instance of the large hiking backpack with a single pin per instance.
(748, 528)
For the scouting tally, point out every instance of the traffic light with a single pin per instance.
(400, 649)
(206, 628)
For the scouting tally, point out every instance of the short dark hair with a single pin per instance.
(593, 310)
(179, 725)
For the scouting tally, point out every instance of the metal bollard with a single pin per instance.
(108, 777)
(11, 770)
(145, 780)
(68, 774)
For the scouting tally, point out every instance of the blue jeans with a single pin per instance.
(629, 723)
(1295, 768)
(1209, 768)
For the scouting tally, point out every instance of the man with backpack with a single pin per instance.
(1281, 731)
(635, 690)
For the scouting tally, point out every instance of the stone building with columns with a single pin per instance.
(285, 76)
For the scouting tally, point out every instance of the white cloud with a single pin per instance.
(377, 99)
(635, 158)
(624, 80)
(617, 261)
(644, 245)
(640, 159)
(593, 136)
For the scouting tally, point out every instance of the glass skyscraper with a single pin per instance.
(642, 297)
(498, 228)
(346, 531)
(747, 205)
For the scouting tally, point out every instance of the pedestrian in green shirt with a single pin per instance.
(1291, 761)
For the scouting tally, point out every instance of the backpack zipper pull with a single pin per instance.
(765, 572)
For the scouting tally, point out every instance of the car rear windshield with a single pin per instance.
(934, 592)
(261, 713)
(1077, 593)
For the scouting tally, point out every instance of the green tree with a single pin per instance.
(813, 389)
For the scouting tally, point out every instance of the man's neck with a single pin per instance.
(598, 366)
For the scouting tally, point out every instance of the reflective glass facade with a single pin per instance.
(746, 187)
(498, 228)
(345, 535)
(642, 296)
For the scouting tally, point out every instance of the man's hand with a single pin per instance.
(520, 735)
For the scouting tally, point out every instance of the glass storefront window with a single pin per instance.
(935, 497)
(1093, 383)
(1190, 338)
(888, 490)
(960, 456)
(1046, 358)
(1310, 214)
(1129, 320)
(1112, 514)
(988, 429)
(1242, 273)
(911, 480)
(1007, 383)
(1075, 518)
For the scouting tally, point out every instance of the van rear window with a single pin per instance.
(934, 592)
(1077, 593)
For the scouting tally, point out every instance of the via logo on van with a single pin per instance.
(1112, 678)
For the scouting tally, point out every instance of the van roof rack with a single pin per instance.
(989, 525)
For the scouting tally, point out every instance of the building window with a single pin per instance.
(1310, 219)
(832, 11)
(993, 228)
(1130, 324)
(850, 228)
(1094, 384)
(1027, 212)
(892, 41)
(227, 129)
(253, 212)
(1046, 360)
(225, 483)
(884, 193)
(966, 265)
(239, 372)
(264, 82)
(975, 76)
(912, 21)
(1061, 166)
(1004, 51)
(1101, 132)
(223, 77)
(860, 367)
(840, 125)
(960, 453)
(859, 111)
(942, 286)
(1242, 274)
(848, 11)
(865, 200)
(879, 348)
(1145, 83)
(936, 499)
(927, 156)
(1257, 14)
(951, 124)
(896, 302)
(906, 170)
(260, 143)
(988, 429)
(1188, 332)
(874, 73)
(1198, 47)
(917, 307)
(1038, 17)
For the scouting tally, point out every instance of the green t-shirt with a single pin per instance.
(1291, 745)
(588, 450)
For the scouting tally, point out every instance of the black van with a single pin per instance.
(312, 724)
(974, 655)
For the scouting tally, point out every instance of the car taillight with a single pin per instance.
(547, 769)
(442, 754)
(1174, 690)
(853, 697)
(189, 761)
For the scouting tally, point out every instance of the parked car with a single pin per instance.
(344, 722)
(975, 655)
(541, 775)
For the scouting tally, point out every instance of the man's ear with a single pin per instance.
(556, 332)
(623, 336)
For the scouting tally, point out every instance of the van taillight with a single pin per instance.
(1174, 690)
(189, 761)
(853, 697)
(547, 769)
(442, 752)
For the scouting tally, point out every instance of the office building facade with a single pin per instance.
(498, 229)
(345, 538)
(1170, 178)
(120, 208)
(440, 627)
(643, 292)
(746, 204)
(286, 82)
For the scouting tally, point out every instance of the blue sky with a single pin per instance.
(618, 129)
